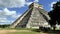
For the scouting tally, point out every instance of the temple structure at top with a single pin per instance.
(34, 17)
(35, 4)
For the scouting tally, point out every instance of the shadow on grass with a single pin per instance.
(52, 32)
(48, 31)
(36, 30)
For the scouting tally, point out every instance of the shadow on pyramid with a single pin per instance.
(34, 17)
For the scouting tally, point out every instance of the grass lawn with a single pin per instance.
(23, 33)
(17, 31)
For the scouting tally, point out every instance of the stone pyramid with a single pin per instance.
(34, 17)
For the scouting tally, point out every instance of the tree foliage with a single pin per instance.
(4, 26)
(55, 15)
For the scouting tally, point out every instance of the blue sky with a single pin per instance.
(10, 10)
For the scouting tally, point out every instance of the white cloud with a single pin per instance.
(52, 5)
(14, 3)
(5, 14)
(36, 1)
(4, 21)
(28, 3)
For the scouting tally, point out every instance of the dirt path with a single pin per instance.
(8, 31)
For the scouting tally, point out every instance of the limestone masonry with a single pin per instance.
(34, 17)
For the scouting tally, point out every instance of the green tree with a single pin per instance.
(55, 15)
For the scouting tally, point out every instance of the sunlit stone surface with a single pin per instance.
(34, 17)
